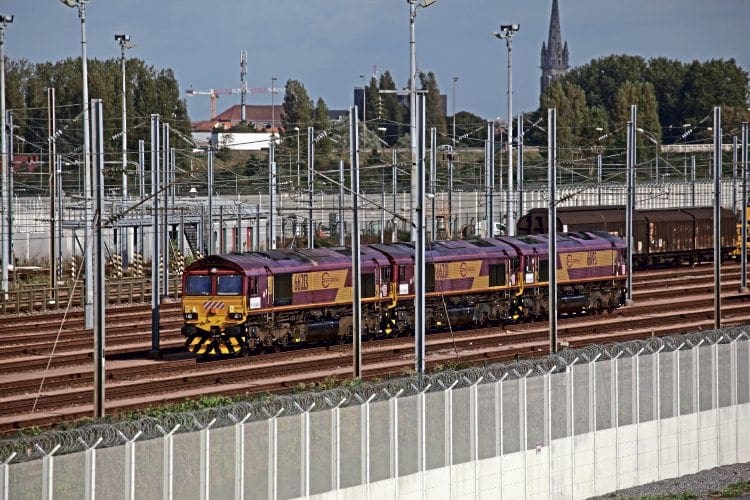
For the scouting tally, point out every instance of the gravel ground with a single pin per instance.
(700, 484)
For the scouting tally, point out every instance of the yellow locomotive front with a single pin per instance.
(214, 309)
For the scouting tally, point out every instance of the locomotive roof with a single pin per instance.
(474, 248)
(290, 260)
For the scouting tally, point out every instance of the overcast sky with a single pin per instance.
(328, 44)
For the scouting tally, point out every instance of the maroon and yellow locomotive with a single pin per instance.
(246, 302)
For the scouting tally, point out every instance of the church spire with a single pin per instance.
(555, 52)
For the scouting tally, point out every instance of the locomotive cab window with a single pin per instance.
(199, 284)
(385, 274)
(429, 281)
(368, 285)
(282, 290)
(497, 274)
(401, 274)
(515, 265)
(252, 286)
(229, 284)
(543, 270)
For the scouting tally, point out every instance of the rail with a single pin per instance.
(30, 298)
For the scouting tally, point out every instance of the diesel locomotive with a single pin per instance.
(243, 303)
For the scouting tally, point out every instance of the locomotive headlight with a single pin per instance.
(235, 315)
(191, 315)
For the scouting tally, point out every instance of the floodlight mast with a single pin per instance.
(506, 33)
(413, 4)
(89, 276)
(6, 196)
(124, 41)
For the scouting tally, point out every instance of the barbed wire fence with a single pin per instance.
(104, 435)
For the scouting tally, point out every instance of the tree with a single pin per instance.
(298, 108)
(713, 83)
(393, 112)
(642, 95)
(601, 78)
(471, 130)
(435, 115)
(668, 77)
(570, 101)
(322, 126)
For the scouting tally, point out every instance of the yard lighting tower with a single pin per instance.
(506, 33)
(413, 4)
(89, 277)
(124, 41)
(4, 21)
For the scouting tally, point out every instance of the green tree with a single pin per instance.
(713, 83)
(435, 115)
(322, 124)
(668, 77)
(642, 95)
(393, 113)
(298, 107)
(602, 78)
(570, 101)
(471, 130)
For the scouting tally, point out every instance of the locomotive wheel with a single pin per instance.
(599, 309)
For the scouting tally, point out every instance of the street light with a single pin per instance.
(413, 4)
(124, 41)
(273, 110)
(296, 129)
(364, 112)
(4, 21)
(506, 33)
(89, 277)
(655, 142)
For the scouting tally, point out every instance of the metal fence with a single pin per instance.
(583, 422)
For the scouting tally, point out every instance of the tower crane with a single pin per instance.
(214, 94)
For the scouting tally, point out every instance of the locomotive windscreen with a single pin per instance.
(198, 285)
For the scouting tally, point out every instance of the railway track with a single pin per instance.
(39, 391)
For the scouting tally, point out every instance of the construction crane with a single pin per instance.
(214, 94)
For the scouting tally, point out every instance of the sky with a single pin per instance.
(328, 44)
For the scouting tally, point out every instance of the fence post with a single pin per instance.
(130, 464)
(168, 461)
(239, 456)
(448, 436)
(48, 471)
(205, 462)
(90, 468)
(365, 440)
(572, 427)
(474, 426)
(4, 476)
(421, 426)
(272, 458)
(393, 404)
(335, 443)
(305, 442)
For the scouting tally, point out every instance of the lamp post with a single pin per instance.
(506, 33)
(89, 278)
(4, 21)
(296, 129)
(450, 165)
(273, 109)
(655, 142)
(364, 112)
(413, 4)
(124, 42)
